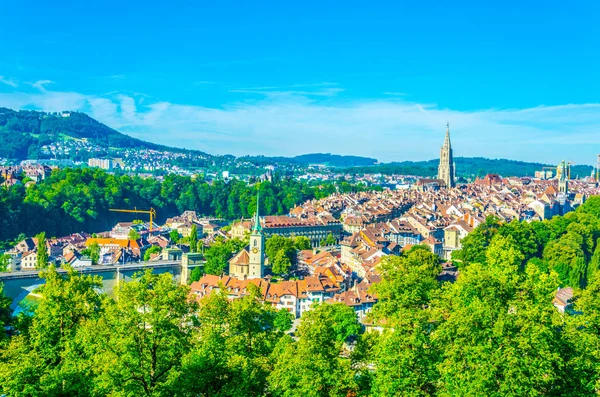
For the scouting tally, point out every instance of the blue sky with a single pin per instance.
(515, 80)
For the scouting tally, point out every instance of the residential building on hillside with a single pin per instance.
(105, 164)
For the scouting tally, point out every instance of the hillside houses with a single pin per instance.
(294, 296)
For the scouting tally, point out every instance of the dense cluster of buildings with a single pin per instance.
(69, 148)
(369, 226)
(325, 279)
(349, 233)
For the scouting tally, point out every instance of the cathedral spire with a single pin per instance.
(446, 169)
(257, 225)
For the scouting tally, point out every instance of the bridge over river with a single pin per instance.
(18, 285)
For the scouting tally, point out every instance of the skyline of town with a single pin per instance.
(65, 146)
(299, 199)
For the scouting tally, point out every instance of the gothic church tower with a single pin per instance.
(446, 168)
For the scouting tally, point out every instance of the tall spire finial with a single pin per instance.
(257, 226)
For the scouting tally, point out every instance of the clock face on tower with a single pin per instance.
(255, 250)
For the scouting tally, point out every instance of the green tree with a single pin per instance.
(281, 263)
(49, 358)
(218, 255)
(577, 273)
(591, 206)
(235, 340)
(94, 252)
(496, 328)
(312, 366)
(133, 235)
(408, 282)
(196, 274)
(403, 355)
(155, 249)
(283, 320)
(5, 311)
(475, 243)
(5, 261)
(139, 343)
(302, 243)
(594, 264)
(277, 243)
(194, 239)
(562, 255)
(583, 333)
(524, 236)
(281, 252)
(330, 240)
(504, 253)
(174, 236)
(42, 251)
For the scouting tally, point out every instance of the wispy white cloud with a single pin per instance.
(41, 84)
(8, 81)
(291, 122)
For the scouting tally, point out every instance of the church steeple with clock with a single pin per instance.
(256, 261)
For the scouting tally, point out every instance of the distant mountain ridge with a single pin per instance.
(332, 160)
(470, 167)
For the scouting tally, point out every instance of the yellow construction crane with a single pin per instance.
(151, 211)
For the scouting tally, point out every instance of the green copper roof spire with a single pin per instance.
(257, 226)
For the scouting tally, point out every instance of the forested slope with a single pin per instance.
(75, 200)
(24, 132)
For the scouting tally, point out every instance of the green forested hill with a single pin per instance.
(23, 133)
